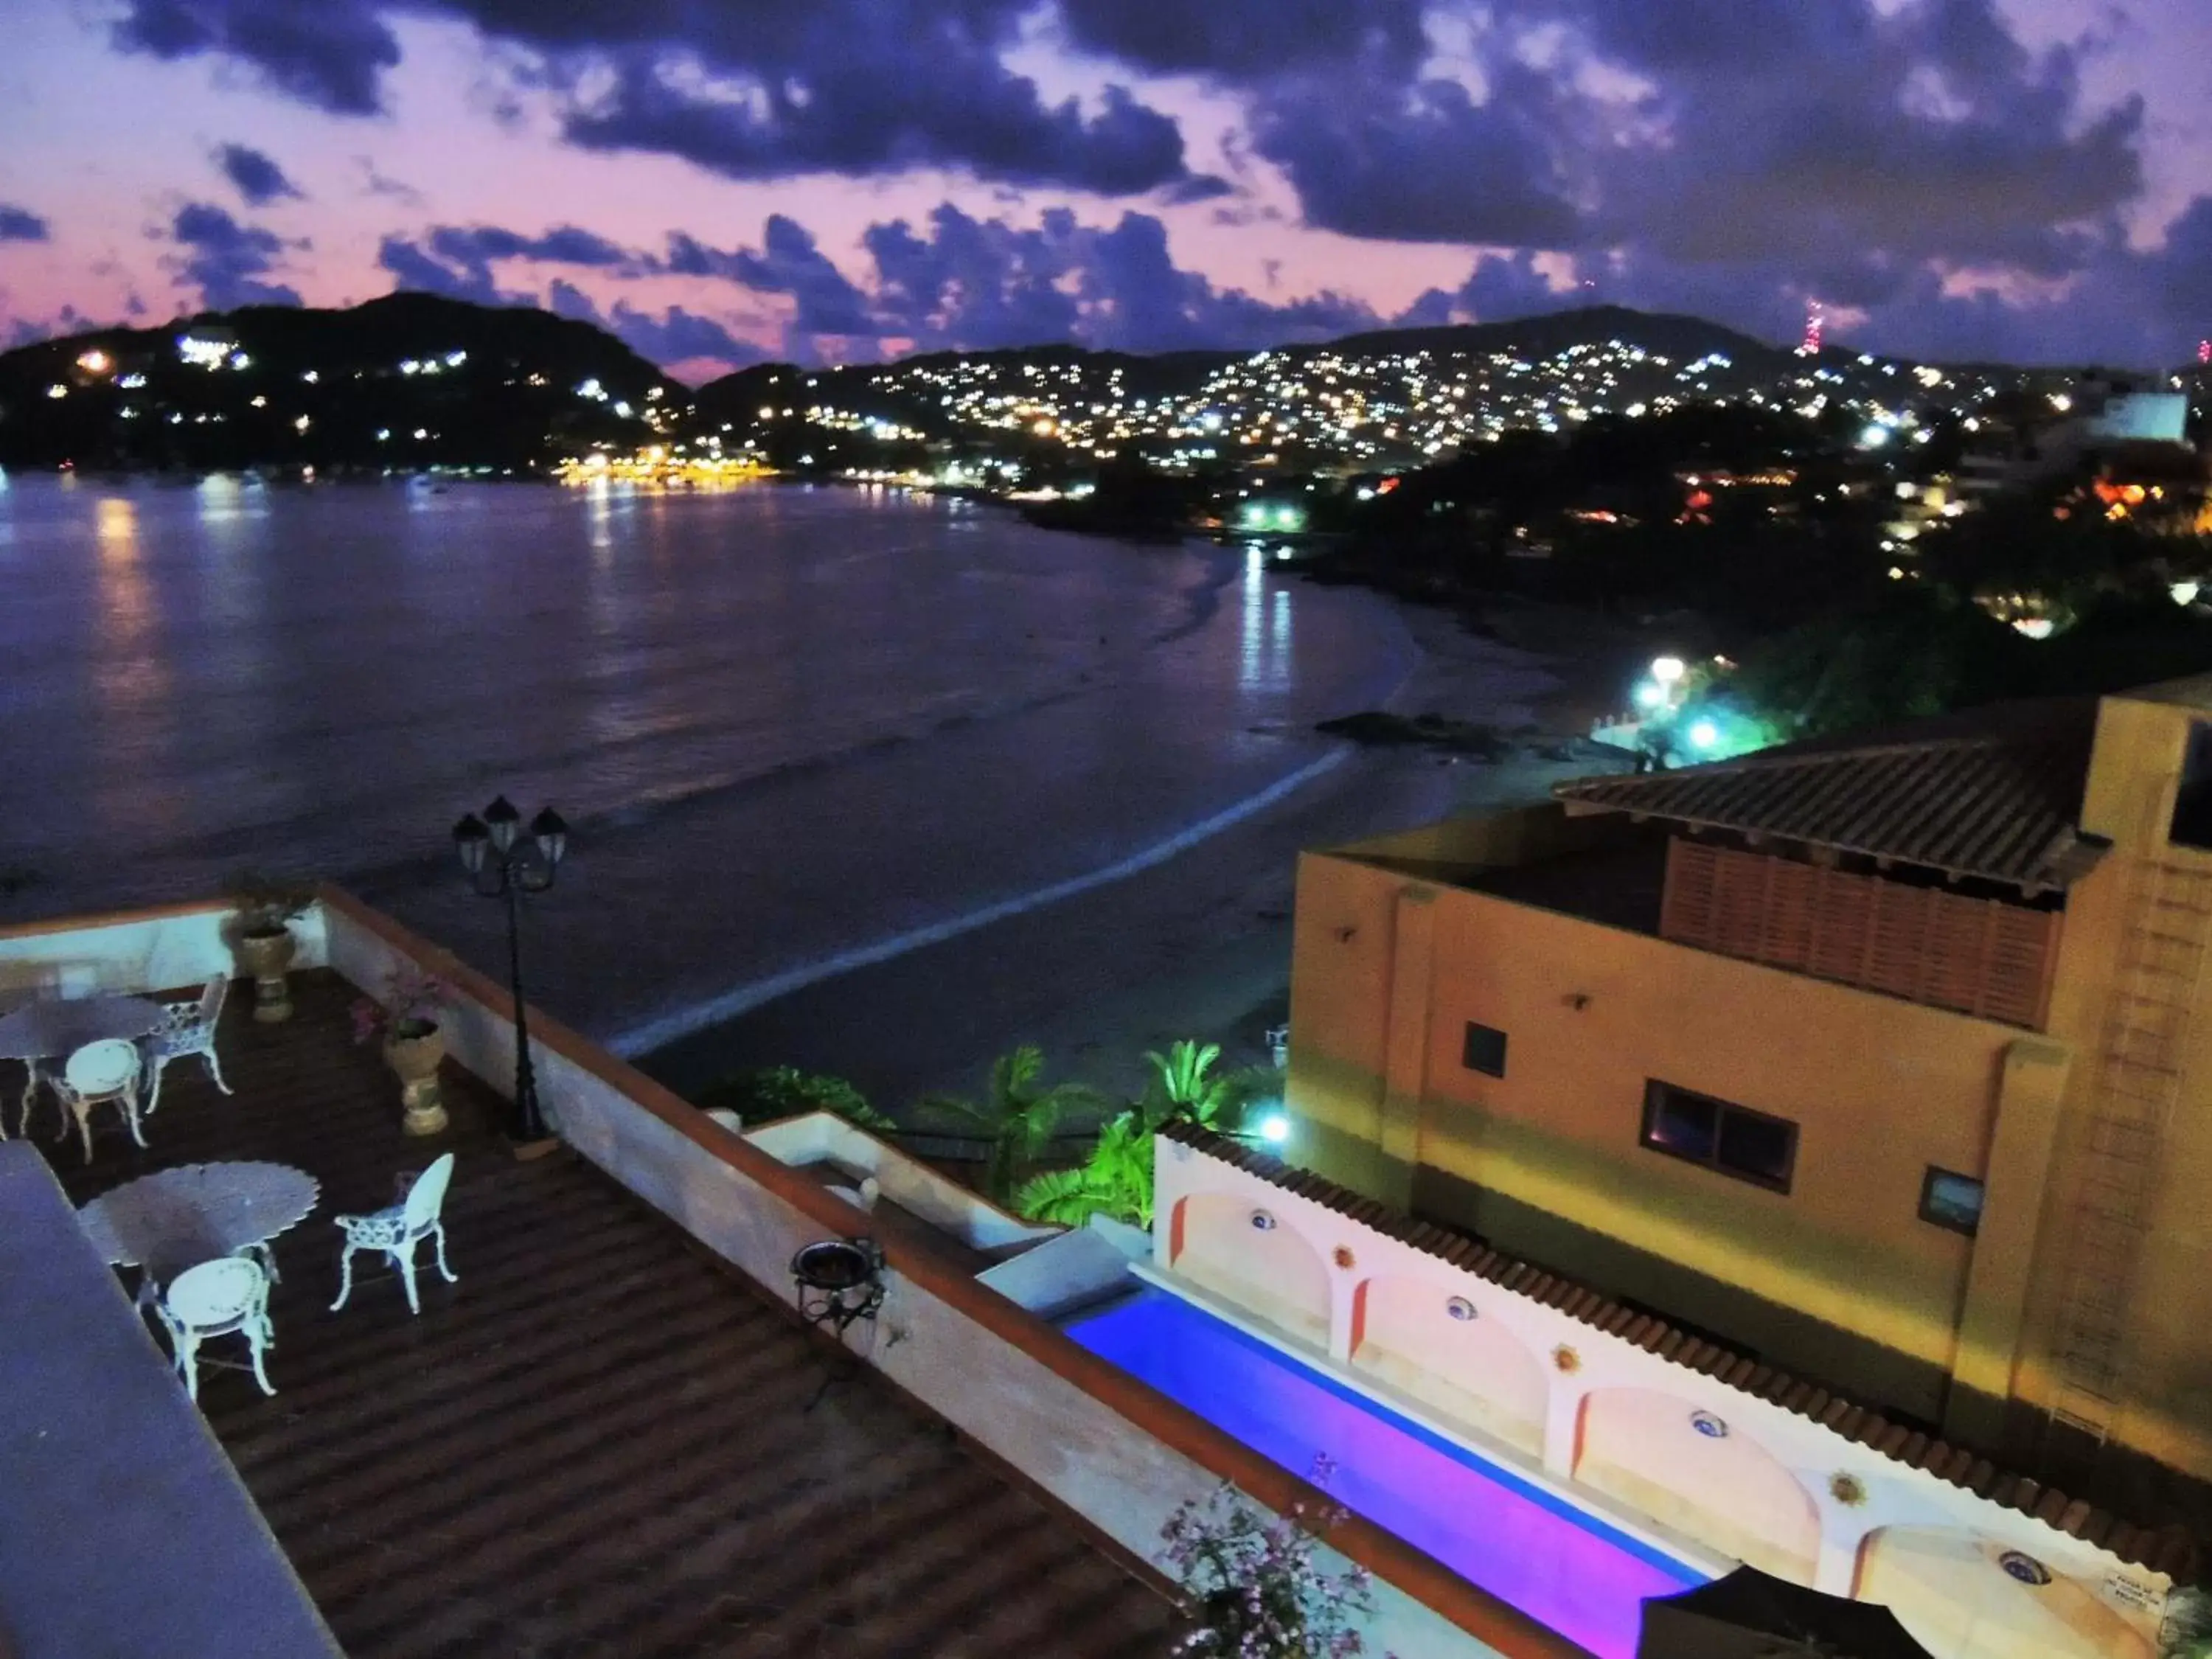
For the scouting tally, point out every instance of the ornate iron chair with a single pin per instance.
(396, 1230)
(96, 1073)
(224, 1297)
(187, 1029)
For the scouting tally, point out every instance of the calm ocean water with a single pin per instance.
(791, 727)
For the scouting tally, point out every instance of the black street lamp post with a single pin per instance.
(491, 846)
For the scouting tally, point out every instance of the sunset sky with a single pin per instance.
(722, 180)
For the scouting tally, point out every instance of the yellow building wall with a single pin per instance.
(2167, 1360)
(1838, 1276)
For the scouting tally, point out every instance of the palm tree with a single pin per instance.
(1115, 1180)
(1184, 1088)
(1017, 1115)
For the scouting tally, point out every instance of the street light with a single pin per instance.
(501, 864)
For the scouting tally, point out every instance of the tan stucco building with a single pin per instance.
(1878, 1058)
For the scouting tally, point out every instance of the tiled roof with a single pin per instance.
(2169, 1550)
(598, 1445)
(1994, 792)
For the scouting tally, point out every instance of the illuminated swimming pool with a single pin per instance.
(1567, 1569)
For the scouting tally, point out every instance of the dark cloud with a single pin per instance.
(826, 305)
(457, 260)
(21, 225)
(226, 260)
(258, 179)
(868, 110)
(1501, 286)
(964, 284)
(414, 269)
(1239, 39)
(329, 53)
(1425, 162)
(676, 335)
(754, 88)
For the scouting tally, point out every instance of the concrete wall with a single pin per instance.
(938, 1199)
(1623, 1430)
(1116, 1453)
(123, 1529)
(1837, 1277)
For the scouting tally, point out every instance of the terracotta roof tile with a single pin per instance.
(1996, 793)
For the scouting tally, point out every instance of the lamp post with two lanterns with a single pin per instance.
(502, 865)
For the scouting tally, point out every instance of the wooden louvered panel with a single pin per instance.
(1978, 955)
(1786, 929)
(1842, 925)
(2022, 950)
(1687, 912)
(1958, 947)
(1897, 953)
(1739, 904)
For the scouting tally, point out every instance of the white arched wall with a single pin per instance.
(1964, 1596)
(1695, 1471)
(1472, 1368)
(1854, 1490)
(1251, 1255)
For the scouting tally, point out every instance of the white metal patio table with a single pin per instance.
(53, 1029)
(177, 1219)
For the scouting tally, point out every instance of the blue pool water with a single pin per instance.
(1525, 1545)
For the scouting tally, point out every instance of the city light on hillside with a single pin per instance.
(95, 361)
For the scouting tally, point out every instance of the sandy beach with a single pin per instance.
(1198, 945)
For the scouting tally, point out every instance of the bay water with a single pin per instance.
(793, 728)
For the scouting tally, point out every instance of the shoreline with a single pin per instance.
(1189, 939)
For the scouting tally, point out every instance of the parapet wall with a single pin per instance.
(1119, 1456)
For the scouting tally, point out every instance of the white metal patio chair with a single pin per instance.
(224, 1297)
(96, 1074)
(187, 1028)
(397, 1230)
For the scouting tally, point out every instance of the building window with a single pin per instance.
(1951, 1200)
(1735, 1141)
(1484, 1051)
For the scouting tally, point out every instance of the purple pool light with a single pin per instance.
(1568, 1570)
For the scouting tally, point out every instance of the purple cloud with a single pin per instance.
(256, 178)
(19, 224)
(227, 260)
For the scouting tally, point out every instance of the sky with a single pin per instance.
(724, 181)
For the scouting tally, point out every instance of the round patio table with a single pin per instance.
(54, 1030)
(177, 1219)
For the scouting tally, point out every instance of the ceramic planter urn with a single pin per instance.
(414, 1055)
(266, 953)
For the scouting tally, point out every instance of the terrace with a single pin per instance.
(611, 1435)
(601, 1440)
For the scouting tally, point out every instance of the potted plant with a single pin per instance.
(1252, 1587)
(414, 1045)
(264, 944)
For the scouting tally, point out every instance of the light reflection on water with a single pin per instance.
(784, 721)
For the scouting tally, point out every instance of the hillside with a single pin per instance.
(407, 380)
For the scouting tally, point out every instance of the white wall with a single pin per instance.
(942, 1202)
(1624, 1422)
(148, 951)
